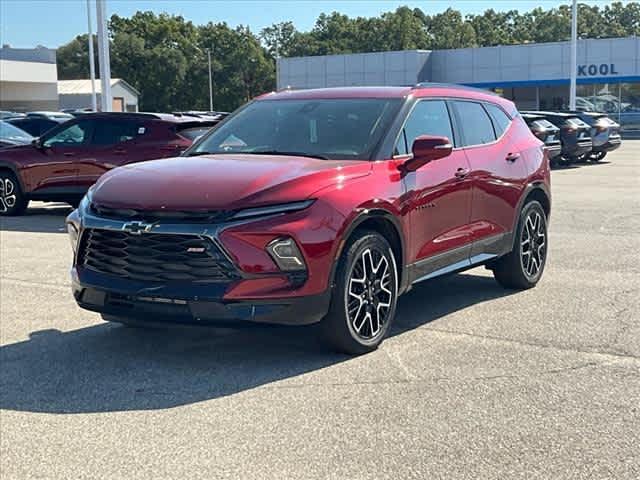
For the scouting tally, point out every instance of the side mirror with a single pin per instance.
(425, 149)
(37, 143)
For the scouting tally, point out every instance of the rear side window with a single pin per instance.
(111, 132)
(475, 123)
(429, 117)
(500, 120)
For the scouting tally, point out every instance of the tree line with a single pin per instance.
(165, 57)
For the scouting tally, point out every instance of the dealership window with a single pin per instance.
(429, 117)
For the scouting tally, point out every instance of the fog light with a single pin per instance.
(286, 254)
(73, 235)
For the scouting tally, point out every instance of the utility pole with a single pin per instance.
(210, 81)
(92, 67)
(103, 57)
(574, 55)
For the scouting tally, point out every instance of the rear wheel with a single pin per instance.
(365, 295)
(12, 199)
(522, 268)
(597, 156)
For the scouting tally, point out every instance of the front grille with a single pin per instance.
(154, 257)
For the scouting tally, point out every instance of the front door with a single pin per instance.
(439, 194)
(56, 170)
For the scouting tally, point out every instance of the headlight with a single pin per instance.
(286, 254)
(272, 209)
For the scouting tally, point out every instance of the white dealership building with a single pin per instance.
(534, 76)
(28, 79)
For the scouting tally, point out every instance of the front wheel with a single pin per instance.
(12, 198)
(364, 297)
(522, 268)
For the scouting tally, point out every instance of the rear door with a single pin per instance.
(498, 172)
(439, 192)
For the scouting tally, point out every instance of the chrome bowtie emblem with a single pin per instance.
(136, 228)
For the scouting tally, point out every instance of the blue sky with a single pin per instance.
(27, 23)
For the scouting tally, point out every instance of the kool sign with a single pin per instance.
(594, 69)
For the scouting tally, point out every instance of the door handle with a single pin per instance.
(68, 154)
(461, 173)
(512, 157)
(120, 151)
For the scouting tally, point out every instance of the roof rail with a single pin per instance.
(451, 85)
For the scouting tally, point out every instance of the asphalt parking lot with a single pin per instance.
(475, 382)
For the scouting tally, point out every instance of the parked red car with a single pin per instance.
(63, 163)
(318, 206)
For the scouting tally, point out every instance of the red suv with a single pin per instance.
(318, 206)
(63, 163)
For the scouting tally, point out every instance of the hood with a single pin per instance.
(213, 182)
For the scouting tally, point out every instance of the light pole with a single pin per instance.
(103, 57)
(92, 68)
(210, 81)
(574, 55)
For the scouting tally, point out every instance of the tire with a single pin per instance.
(364, 298)
(518, 269)
(597, 156)
(12, 200)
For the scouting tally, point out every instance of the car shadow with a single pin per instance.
(43, 218)
(107, 367)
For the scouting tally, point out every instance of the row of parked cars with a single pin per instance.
(574, 136)
(54, 156)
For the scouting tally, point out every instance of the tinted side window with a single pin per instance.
(500, 120)
(73, 135)
(475, 123)
(111, 132)
(429, 117)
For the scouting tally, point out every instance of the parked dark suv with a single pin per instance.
(63, 163)
(575, 135)
(605, 134)
(318, 206)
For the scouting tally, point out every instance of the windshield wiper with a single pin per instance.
(289, 154)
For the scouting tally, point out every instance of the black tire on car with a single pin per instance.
(522, 268)
(597, 156)
(12, 199)
(364, 297)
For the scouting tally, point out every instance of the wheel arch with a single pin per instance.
(386, 224)
(4, 165)
(534, 191)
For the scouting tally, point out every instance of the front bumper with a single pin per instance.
(189, 304)
(266, 296)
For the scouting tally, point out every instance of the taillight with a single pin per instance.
(541, 134)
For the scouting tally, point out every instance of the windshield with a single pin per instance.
(347, 128)
(9, 132)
